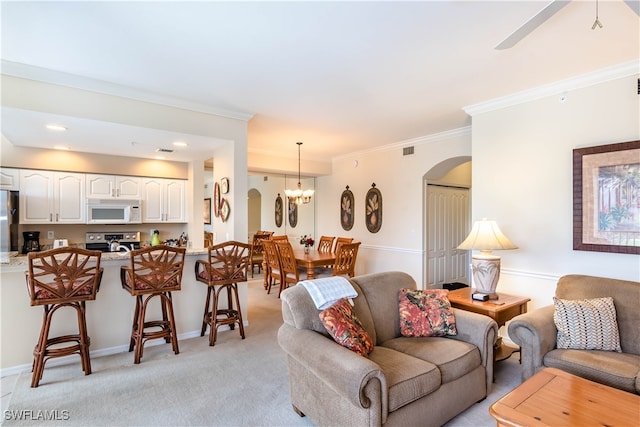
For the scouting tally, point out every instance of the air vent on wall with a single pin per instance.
(407, 151)
(164, 150)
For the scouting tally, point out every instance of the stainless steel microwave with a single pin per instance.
(114, 211)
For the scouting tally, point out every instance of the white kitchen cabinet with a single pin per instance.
(48, 197)
(9, 179)
(163, 200)
(113, 187)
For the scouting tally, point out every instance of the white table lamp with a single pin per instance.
(486, 237)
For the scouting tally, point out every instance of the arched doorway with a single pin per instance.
(447, 213)
(254, 212)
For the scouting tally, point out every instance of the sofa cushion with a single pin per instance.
(586, 324)
(408, 378)
(622, 369)
(345, 327)
(453, 358)
(426, 313)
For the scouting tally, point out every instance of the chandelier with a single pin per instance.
(299, 196)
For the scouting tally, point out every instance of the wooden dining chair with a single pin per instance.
(272, 268)
(289, 273)
(257, 250)
(226, 266)
(325, 244)
(341, 240)
(345, 264)
(280, 237)
(155, 271)
(57, 278)
(208, 239)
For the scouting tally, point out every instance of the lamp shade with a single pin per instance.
(486, 236)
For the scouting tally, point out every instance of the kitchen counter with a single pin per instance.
(109, 317)
(15, 261)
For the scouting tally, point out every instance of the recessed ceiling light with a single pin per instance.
(55, 127)
(159, 157)
(61, 147)
(180, 144)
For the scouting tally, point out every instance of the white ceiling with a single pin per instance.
(339, 76)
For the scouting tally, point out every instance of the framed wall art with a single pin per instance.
(207, 211)
(279, 211)
(373, 212)
(224, 185)
(225, 210)
(606, 198)
(346, 209)
(293, 213)
(216, 200)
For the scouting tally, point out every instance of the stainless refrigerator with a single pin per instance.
(8, 221)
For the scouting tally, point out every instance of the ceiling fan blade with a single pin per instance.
(634, 5)
(547, 12)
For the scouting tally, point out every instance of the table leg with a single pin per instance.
(311, 273)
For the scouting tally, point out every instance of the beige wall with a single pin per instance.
(523, 178)
(399, 245)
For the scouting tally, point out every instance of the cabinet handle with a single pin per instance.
(57, 217)
(50, 217)
(118, 192)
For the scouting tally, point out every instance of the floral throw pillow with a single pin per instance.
(426, 313)
(345, 328)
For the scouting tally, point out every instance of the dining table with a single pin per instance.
(313, 259)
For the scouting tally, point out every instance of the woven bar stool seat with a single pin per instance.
(226, 267)
(57, 278)
(155, 271)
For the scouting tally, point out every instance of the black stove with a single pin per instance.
(99, 241)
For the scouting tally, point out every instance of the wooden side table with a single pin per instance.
(503, 309)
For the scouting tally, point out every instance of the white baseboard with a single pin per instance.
(14, 370)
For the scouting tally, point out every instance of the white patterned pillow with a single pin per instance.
(586, 324)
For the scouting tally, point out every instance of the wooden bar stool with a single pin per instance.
(62, 277)
(155, 271)
(227, 266)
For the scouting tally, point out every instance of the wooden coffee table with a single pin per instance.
(556, 398)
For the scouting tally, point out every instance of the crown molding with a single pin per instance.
(427, 139)
(619, 71)
(45, 75)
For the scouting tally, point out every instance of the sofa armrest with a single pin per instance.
(344, 371)
(535, 333)
(481, 331)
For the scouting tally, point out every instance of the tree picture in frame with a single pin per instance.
(606, 198)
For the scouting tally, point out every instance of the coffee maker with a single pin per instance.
(31, 241)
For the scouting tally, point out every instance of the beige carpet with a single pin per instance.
(235, 383)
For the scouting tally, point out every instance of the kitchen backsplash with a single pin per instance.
(75, 233)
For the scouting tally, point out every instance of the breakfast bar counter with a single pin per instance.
(109, 317)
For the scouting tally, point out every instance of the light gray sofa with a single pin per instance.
(535, 332)
(403, 382)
